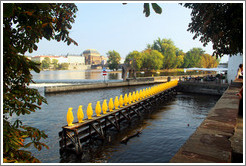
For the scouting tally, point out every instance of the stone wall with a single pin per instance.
(202, 87)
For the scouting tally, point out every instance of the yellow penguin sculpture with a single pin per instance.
(140, 94)
(137, 96)
(121, 101)
(98, 108)
(133, 97)
(80, 114)
(111, 105)
(130, 98)
(116, 103)
(70, 117)
(125, 100)
(144, 94)
(105, 107)
(89, 111)
(147, 92)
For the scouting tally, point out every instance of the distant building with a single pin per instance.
(76, 62)
(93, 57)
(75, 59)
(39, 59)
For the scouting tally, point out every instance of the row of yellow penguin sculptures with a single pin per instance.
(132, 97)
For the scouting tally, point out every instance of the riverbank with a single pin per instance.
(215, 140)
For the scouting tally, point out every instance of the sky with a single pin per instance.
(124, 28)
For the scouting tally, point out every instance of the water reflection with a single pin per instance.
(74, 75)
(94, 75)
(114, 76)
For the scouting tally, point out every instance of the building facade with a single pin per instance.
(77, 62)
(39, 59)
(93, 57)
(75, 59)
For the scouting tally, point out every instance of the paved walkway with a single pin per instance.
(219, 139)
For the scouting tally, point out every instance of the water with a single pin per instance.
(164, 131)
(74, 76)
(80, 76)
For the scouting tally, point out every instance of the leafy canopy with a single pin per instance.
(113, 59)
(168, 50)
(24, 24)
(193, 58)
(134, 59)
(152, 60)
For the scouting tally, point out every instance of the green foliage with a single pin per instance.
(152, 60)
(113, 59)
(63, 66)
(155, 7)
(55, 63)
(24, 24)
(219, 23)
(176, 58)
(208, 61)
(193, 58)
(134, 59)
(45, 64)
(179, 62)
(168, 50)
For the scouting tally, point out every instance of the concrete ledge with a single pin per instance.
(210, 143)
(129, 82)
(80, 87)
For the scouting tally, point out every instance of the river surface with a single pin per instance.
(75, 76)
(163, 132)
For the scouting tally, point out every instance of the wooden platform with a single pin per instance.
(74, 137)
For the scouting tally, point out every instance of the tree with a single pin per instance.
(63, 66)
(152, 60)
(135, 56)
(55, 63)
(168, 50)
(45, 64)
(179, 62)
(113, 59)
(220, 23)
(24, 24)
(193, 58)
(208, 61)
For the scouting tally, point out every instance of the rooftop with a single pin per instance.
(92, 51)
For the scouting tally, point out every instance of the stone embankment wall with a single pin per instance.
(210, 88)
